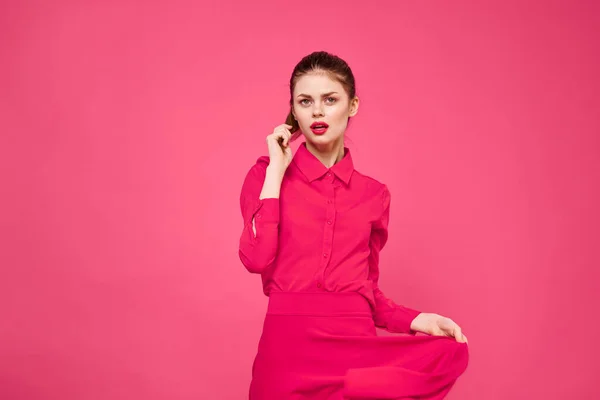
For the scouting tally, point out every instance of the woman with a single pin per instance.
(313, 229)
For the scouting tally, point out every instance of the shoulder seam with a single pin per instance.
(370, 178)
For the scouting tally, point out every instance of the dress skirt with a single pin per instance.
(324, 346)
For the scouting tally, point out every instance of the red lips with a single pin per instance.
(319, 128)
(319, 125)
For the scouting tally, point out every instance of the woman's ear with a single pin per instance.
(354, 106)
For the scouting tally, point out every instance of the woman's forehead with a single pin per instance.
(316, 84)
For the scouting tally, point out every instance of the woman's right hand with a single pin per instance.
(280, 152)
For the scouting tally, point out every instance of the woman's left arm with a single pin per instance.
(395, 317)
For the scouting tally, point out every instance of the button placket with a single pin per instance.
(329, 224)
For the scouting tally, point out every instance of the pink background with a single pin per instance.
(126, 131)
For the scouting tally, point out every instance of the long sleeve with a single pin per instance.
(387, 314)
(257, 251)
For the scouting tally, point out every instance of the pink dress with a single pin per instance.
(317, 251)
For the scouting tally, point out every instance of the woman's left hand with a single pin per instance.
(437, 325)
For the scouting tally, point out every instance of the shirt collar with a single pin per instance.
(313, 168)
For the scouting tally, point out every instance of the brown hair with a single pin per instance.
(326, 62)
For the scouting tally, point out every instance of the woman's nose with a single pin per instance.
(317, 112)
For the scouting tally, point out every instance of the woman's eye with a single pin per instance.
(305, 102)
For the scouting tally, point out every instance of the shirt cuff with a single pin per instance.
(401, 318)
(268, 210)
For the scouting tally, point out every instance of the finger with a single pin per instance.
(465, 338)
(286, 141)
(277, 135)
(283, 127)
(458, 334)
(282, 135)
(451, 327)
(274, 141)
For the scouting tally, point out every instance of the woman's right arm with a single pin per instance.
(259, 202)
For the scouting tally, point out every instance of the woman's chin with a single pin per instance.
(322, 138)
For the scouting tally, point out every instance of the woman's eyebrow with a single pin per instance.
(323, 95)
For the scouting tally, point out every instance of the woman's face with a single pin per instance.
(318, 98)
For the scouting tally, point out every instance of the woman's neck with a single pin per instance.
(328, 154)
